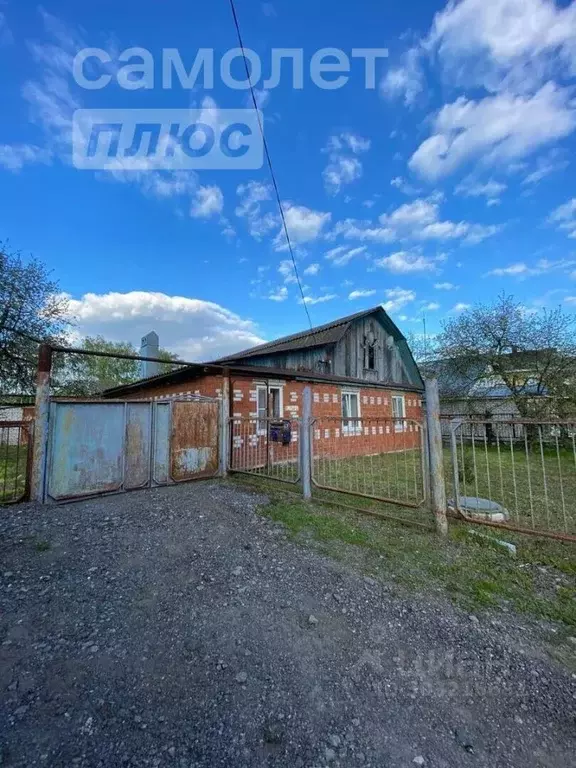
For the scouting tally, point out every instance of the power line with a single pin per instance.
(269, 159)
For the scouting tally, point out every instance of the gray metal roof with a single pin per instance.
(330, 333)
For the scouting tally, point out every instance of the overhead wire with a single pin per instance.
(269, 160)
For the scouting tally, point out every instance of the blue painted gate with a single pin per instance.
(100, 447)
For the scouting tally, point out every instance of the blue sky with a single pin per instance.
(449, 182)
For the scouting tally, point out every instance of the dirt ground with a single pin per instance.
(179, 627)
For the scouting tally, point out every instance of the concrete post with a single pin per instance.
(305, 443)
(225, 424)
(41, 423)
(436, 458)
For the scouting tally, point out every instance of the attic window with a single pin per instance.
(371, 358)
(370, 350)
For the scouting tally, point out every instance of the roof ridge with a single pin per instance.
(310, 332)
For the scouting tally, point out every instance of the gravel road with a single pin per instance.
(177, 627)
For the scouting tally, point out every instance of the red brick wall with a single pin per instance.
(376, 432)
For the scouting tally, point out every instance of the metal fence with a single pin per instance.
(266, 447)
(516, 474)
(15, 458)
(380, 458)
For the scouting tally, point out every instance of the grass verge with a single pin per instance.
(474, 572)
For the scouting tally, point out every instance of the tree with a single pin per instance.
(533, 354)
(31, 308)
(91, 374)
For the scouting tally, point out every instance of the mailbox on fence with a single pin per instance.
(281, 431)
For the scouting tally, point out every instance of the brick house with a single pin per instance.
(366, 388)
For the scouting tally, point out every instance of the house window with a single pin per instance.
(351, 424)
(371, 358)
(399, 412)
(269, 405)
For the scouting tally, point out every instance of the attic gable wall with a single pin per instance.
(349, 353)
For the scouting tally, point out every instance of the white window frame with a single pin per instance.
(400, 425)
(261, 420)
(353, 427)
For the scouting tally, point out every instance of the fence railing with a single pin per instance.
(15, 458)
(526, 468)
(266, 447)
(380, 458)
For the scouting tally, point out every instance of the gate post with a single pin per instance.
(224, 424)
(436, 458)
(305, 447)
(41, 423)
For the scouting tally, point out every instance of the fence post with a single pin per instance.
(41, 423)
(437, 482)
(224, 424)
(305, 447)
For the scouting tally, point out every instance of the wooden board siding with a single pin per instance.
(349, 354)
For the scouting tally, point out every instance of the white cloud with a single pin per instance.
(209, 201)
(341, 171)
(398, 298)
(432, 306)
(312, 269)
(281, 294)
(418, 220)
(445, 286)
(405, 81)
(342, 255)
(403, 186)
(564, 217)
(405, 262)
(361, 294)
(286, 269)
(491, 190)
(252, 195)
(494, 129)
(15, 157)
(521, 270)
(348, 142)
(460, 307)
(192, 328)
(343, 167)
(504, 44)
(304, 225)
(318, 299)
(545, 166)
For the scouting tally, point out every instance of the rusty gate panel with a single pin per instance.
(194, 443)
(138, 446)
(161, 464)
(87, 449)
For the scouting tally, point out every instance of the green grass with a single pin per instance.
(539, 491)
(13, 460)
(537, 488)
(471, 571)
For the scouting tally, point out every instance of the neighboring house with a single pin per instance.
(474, 389)
(12, 411)
(358, 368)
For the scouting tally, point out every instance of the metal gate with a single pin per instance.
(15, 460)
(100, 447)
(379, 458)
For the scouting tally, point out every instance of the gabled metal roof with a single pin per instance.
(331, 333)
